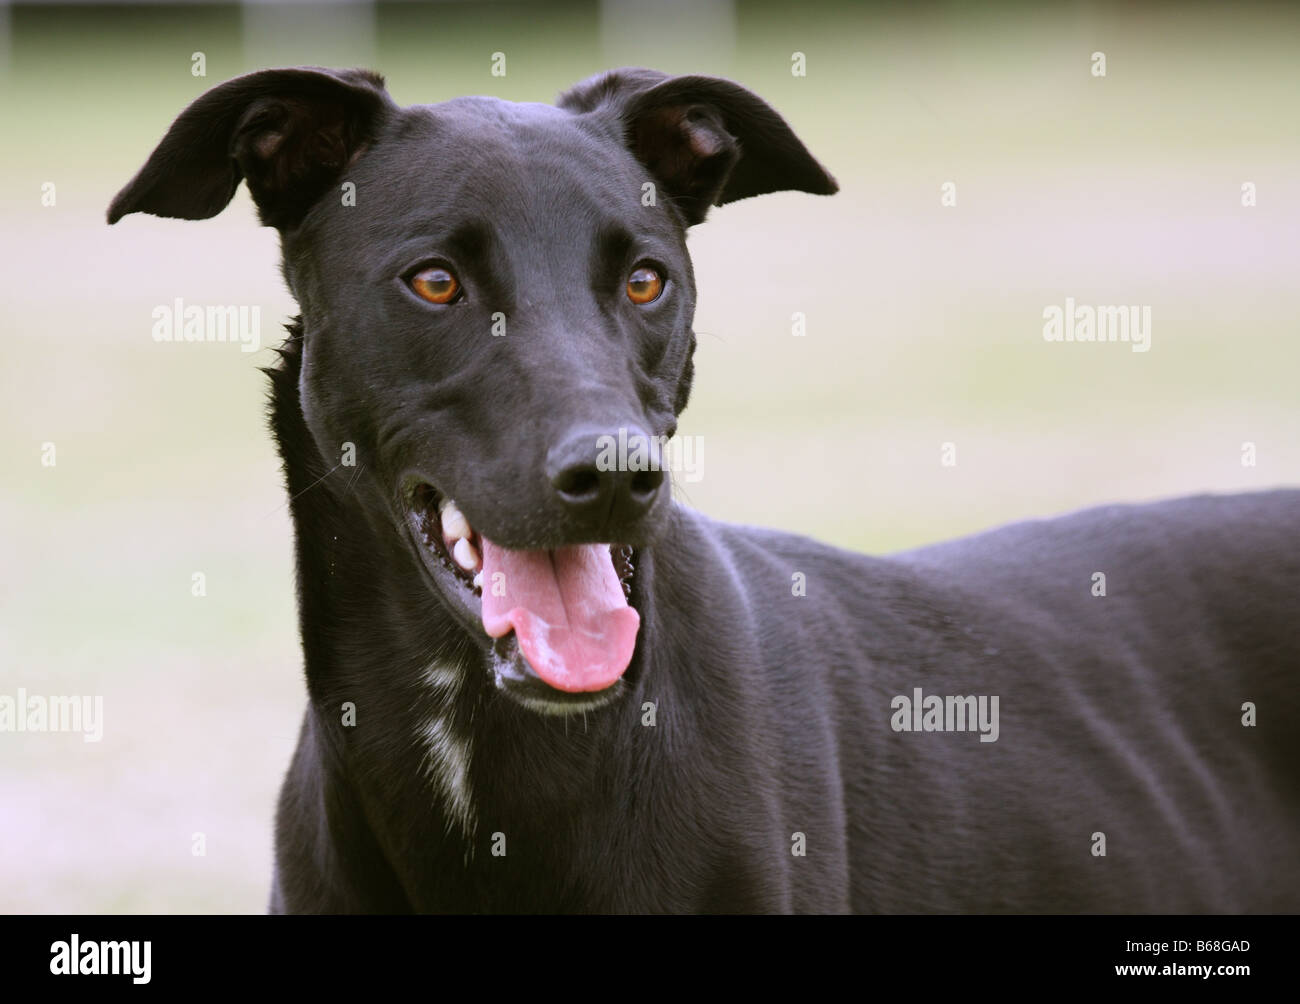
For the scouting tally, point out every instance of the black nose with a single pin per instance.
(613, 476)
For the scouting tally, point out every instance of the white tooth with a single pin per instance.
(478, 579)
(465, 555)
(454, 524)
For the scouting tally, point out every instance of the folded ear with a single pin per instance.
(706, 141)
(289, 133)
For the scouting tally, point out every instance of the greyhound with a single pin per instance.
(536, 684)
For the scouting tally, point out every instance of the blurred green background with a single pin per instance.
(924, 326)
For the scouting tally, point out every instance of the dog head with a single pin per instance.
(496, 311)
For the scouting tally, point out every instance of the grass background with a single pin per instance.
(924, 327)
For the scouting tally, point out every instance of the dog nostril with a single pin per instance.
(645, 484)
(578, 483)
(593, 482)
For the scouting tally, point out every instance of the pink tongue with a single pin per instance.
(566, 608)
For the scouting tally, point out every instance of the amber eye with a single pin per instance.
(644, 285)
(436, 285)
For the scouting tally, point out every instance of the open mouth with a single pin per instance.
(563, 632)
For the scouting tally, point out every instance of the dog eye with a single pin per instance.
(436, 285)
(644, 285)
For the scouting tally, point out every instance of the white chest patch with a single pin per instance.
(447, 753)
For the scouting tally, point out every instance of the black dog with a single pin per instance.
(491, 293)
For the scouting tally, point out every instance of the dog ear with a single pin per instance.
(706, 141)
(289, 133)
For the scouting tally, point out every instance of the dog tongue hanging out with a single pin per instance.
(567, 609)
(567, 605)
